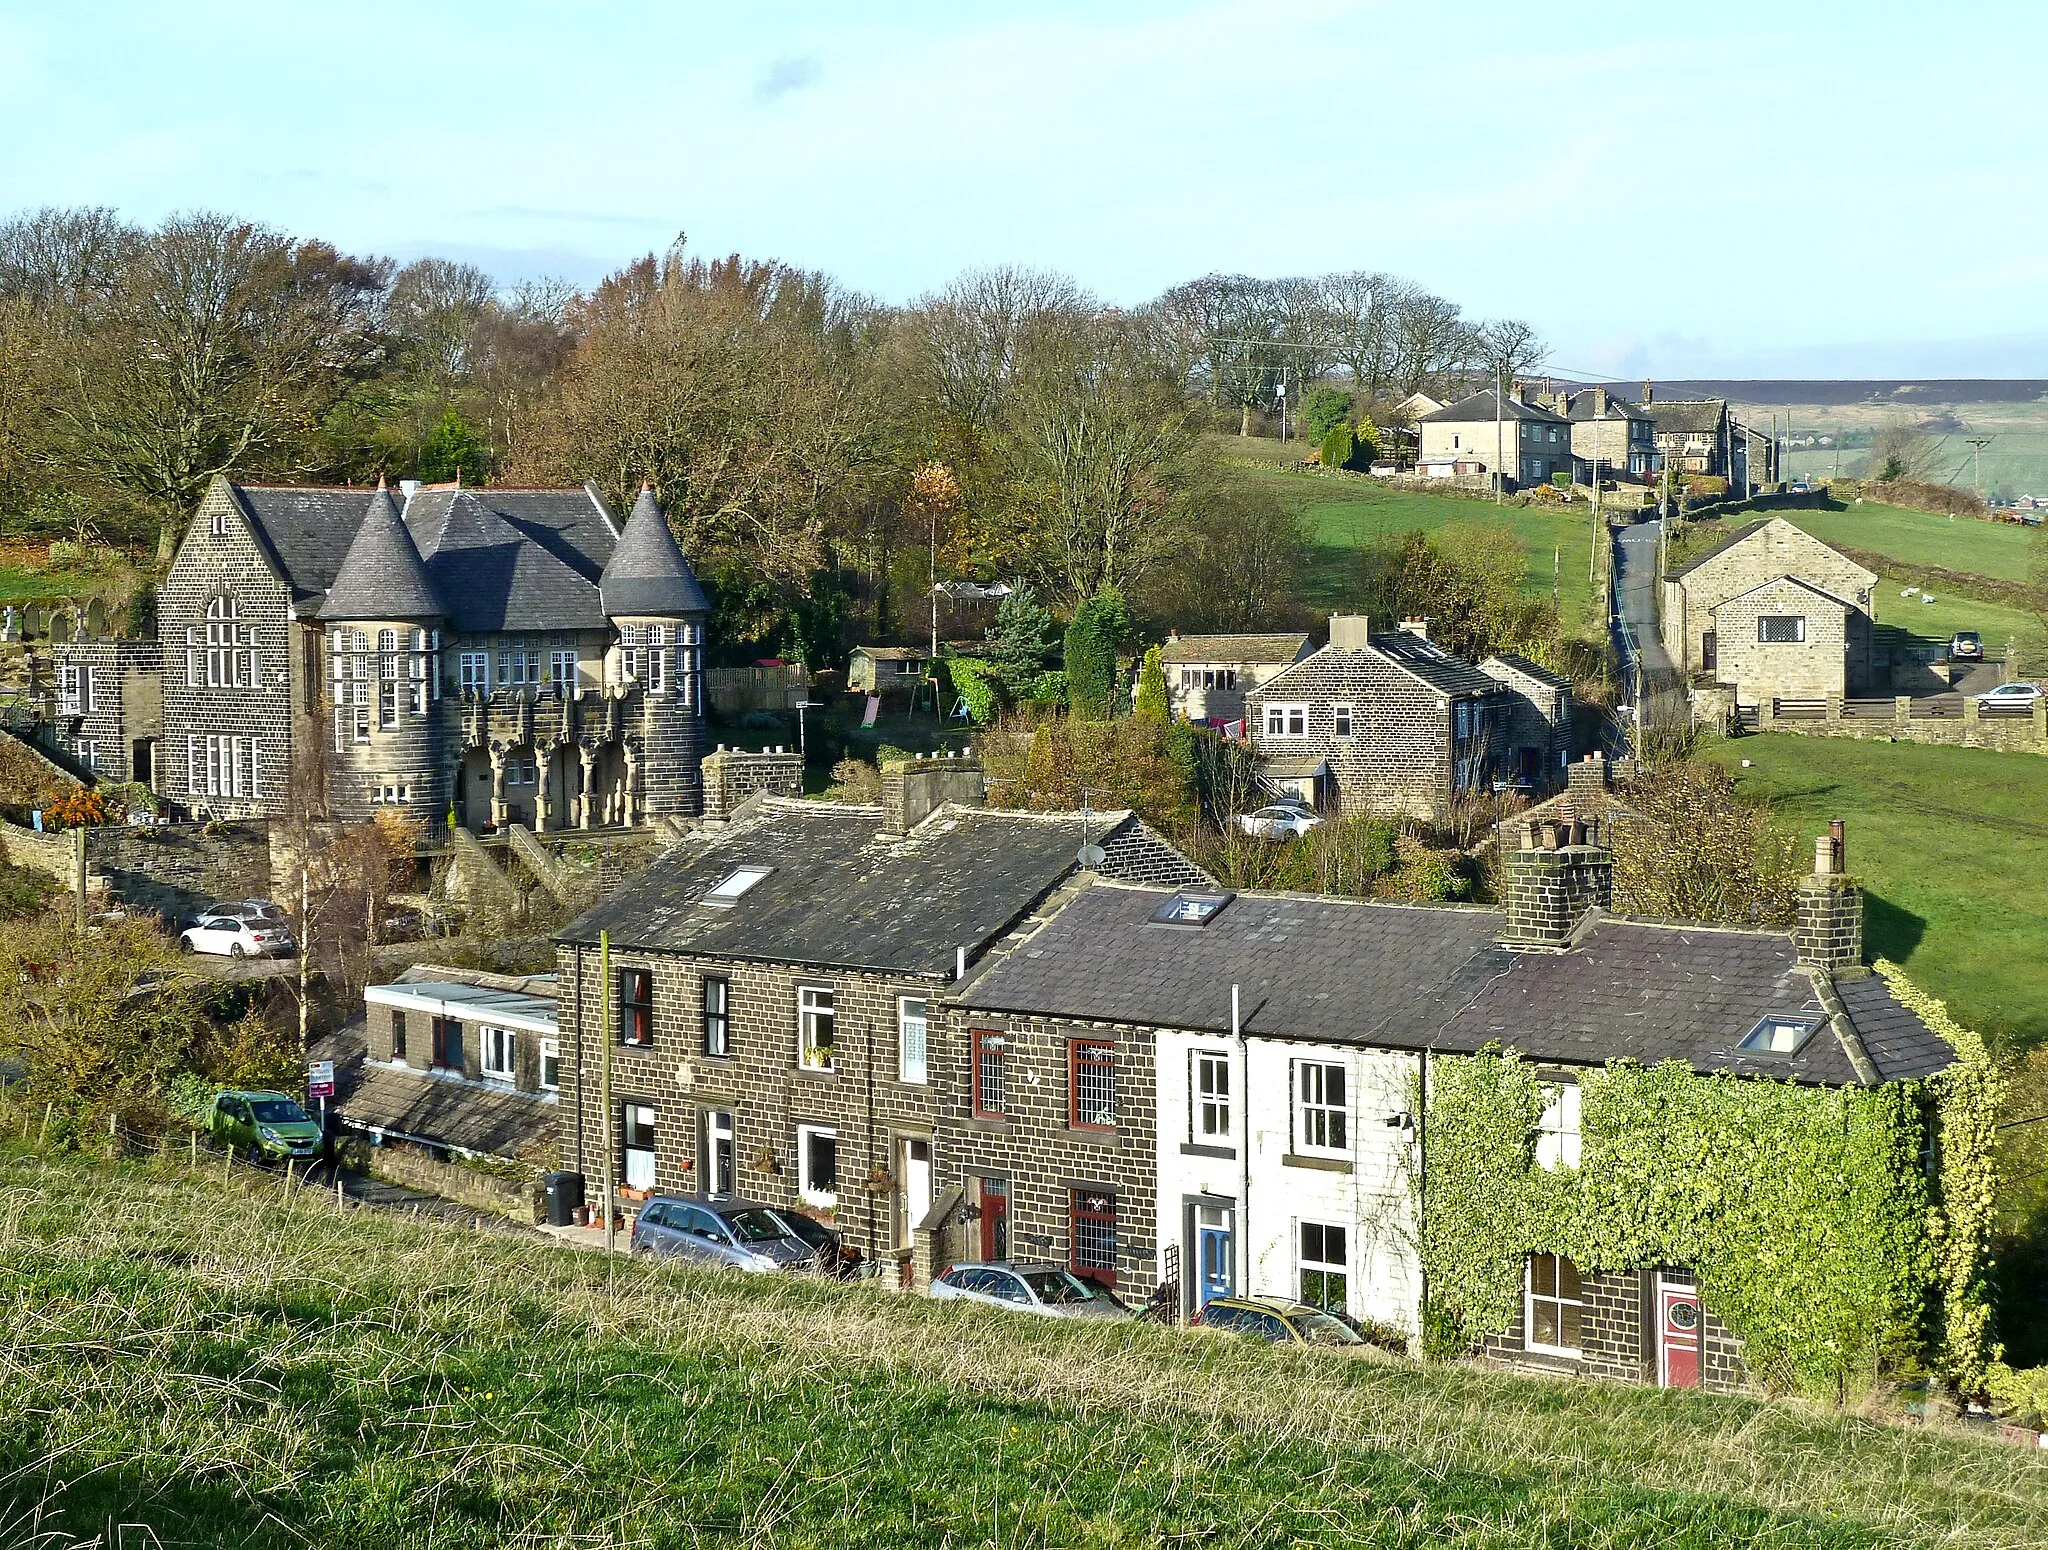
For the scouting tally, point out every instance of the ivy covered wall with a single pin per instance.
(1838, 1232)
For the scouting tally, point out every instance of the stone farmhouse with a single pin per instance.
(1774, 612)
(1388, 722)
(502, 655)
(1509, 433)
(1208, 676)
(1693, 435)
(775, 1026)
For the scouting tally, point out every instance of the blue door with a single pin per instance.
(1213, 1253)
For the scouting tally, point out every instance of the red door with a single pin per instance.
(995, 1219)
(1678, 1336)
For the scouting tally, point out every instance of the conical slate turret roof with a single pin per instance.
(382, 576)
(647, 574)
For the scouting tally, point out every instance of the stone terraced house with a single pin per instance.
(1208, 676)
(777, 1026)
(1388, 722)
(1271, 1048)
(502, 655)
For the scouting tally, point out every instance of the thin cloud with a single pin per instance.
(791, 73)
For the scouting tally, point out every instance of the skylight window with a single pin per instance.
(1779, 1037)
(734, 887)
(1190, 911)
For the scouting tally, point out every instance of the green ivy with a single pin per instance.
(1807, 1214)
(978, 687)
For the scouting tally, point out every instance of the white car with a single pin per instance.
(1051, 1291)
(1279, 822)
(230, 936)
(2015, 696)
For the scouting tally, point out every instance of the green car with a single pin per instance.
(264, 1124)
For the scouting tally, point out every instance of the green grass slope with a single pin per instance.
(1952, 847)
(230, 1372)
(1996, 549)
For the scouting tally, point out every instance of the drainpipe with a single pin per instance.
(1244, 1106)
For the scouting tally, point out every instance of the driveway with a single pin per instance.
(1646, 666)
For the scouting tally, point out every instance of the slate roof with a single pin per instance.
(1535, 670)
(515, 559)
(840, 894)
(305, 528)
(892, 653)
(382, 576)
(1687, 416)
(498, 559)
(1579, 406)
(1479, 406)
(1233, 648)
(1419, 977)
(647, 574)
(1432, 664)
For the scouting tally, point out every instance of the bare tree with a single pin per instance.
(968, 342)
(1430, 342)
(1358, 308)
(1508, 347)
(64, 260)
(1901, 450)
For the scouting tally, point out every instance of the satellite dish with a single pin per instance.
(1092, 856)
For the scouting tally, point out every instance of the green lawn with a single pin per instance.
(1346, 514)
(1952, 846)
(1934, 623)
(203, 1361)
(1996, 549)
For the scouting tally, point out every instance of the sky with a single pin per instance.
(1802, 189)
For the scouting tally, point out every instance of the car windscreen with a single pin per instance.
(754, 1225)
(278, 1111)
(1056, 1288)
(1321, 1329)
(815, 1233)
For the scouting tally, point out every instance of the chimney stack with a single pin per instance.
(1350, 632)
(1599, 402)
(1586, 781)
(1828, 929)
(912, 789)
(1555, 873)
(1649, 393)
(1416, 627)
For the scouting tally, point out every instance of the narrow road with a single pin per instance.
(1646, 668)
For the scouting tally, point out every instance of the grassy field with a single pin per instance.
(1346, 514)
(1952, 846)
(1997, 549)
(230, 1372)
(2017, 458)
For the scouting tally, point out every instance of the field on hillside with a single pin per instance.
(1996, 549)
(232, 1373)
(1952, 847)
(2016, 459)
(1346, 514)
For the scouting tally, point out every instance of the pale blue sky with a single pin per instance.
(1845, 188)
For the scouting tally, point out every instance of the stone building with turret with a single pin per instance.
(495, 656)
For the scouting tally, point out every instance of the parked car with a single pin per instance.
(1278, 822)
(736, 1234)
(238, 936)
(1801, 487)
(1277, 1320)
(1966, 646)
(2015, 696)
(263, 1125)
(1052, 1291)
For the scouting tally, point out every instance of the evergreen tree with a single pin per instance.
(1150, 702)
(1100, 626)
(1020, 643)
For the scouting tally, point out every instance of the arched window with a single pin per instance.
(229, 653)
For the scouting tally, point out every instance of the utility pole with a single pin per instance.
(1977, 446)
(305, 952)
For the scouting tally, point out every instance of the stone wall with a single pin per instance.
(731, 775)
(414, 1167)
(1617, 1337)
(2008, 734)
(1811, 668)
(176, 869)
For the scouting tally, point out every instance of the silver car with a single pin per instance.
(1052, 1291)
(737, 1234)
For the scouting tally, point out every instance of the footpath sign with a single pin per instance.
(320, 1079)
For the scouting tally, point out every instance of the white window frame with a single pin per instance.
(652, 1151)
(474, 668)
(913, 1040)
(1316, 1118)
(67, 689)
(1303, 1265)
(562, 668)
(815, 1004)
(1209, 1095)
(1558, 1135)
(657, 659)
(220, 524)
(1290, 720)
(500, 1058)
(1798, 630)
(1340, 720)
(549, 1070)
(1561, 1302)
(807, 1188)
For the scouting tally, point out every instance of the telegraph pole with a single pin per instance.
(1496, 432)
(1977, 446)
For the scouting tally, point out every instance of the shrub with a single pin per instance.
(1339, 447)
(1099, 627)
(1367, 437)
(1150, 702)
(1048, 688)
(975, 682)
(1324, 410)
